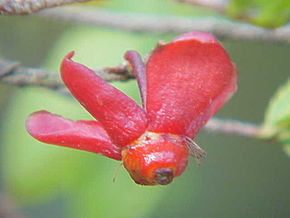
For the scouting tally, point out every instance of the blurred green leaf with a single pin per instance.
(277, 118)
(261, 12)
(278, 112)
(273, 13)
(238, 7)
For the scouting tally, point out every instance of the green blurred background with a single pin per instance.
(239, 178)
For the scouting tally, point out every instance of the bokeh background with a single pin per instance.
(240, 177)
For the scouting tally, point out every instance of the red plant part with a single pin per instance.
(182, 86)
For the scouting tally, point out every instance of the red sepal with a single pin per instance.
(121, 117)
(188, 80)
(83, 135)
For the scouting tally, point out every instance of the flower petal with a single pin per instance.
(121, 117)
(188, 80)
(83, 135)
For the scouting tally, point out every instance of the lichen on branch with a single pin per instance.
(16, 7)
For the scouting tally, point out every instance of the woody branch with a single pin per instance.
(12, 73)
(13, 7)
(168, 24)
(223, 28)
(216, 5)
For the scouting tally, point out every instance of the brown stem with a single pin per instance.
(13, 73)
(168, 24)
(216, 5)
(16, 7)
(233, 127)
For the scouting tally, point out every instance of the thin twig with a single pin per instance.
(233, 127)
(168, 24)
(13, 73)
(216, 5)
(16, 7)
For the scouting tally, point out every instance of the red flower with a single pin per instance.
(182, 85)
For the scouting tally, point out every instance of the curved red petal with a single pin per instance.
(83, 135)
(122, 118)
(188, 80)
